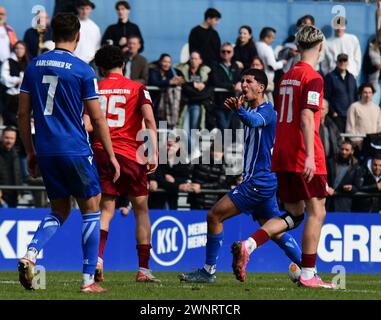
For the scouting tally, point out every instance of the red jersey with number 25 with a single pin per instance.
(300, 88)
(121, 101)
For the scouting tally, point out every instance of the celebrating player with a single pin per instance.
(126, 104)
(57, 86)
(257, 193)
(298, 158)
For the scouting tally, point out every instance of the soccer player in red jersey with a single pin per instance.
(298, 156)
(127, 105)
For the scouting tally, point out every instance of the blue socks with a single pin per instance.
(213, 245)
(291, 248)
(45, 231)
(90, 241)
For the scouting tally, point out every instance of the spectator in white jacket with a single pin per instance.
(90, 37)
(266, 53)
(342, 42)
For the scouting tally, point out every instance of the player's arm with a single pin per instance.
(102, 132)
(252, 120)
(150, 124)
(87, 122)
(310, 104)
(307, 123)
(24, 111)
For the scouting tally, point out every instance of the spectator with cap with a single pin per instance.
(118, 34)
(364, 116)
(8, 36)
(266, 53)
(136, 65)
(342, 42)
(90, 39)
(205, 39)
(37, 35)
(340, 89)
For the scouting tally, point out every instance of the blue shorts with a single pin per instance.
(66, 176)
(258, 201)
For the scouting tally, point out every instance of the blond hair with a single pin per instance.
(308, 37)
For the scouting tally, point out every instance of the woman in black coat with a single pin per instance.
(245, 50)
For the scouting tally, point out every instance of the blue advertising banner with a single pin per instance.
(351, 240)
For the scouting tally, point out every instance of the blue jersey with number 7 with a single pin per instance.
(58, 83)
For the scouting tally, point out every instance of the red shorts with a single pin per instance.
(292, 187)
(132, 180)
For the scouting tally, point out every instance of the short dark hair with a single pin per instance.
(65, 27)
(266, 32)
(366, 85)
(347, 141)
(164, 55)
(304, 18)
(212, 13)
(109, 57)
(122, 3)
(259, 76)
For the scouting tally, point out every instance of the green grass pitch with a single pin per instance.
(122, 285)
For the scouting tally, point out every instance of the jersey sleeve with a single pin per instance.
(90, 86)
(25, 85)
(257, 119)
(144, 96)
(311, 94)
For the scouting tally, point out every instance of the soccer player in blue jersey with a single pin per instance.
(257, 193)
(57, 86)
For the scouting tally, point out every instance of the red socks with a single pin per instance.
(260, 237)
(308, 260)
(102, 243)
(144, 255)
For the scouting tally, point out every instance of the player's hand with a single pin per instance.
(152, 164)
(116, 166)
(234, 103)
(32, 164)
(309, 169)
(330, 191)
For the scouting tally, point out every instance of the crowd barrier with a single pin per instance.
(349, 240)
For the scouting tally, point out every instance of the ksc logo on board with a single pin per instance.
(170, 239)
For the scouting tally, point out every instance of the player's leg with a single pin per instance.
(143, 238)
(89, 208)
(315, 208)
(107, 206)
(60, 210)
(224, 209)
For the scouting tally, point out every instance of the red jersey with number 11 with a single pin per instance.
(121, 101)
(300, 88)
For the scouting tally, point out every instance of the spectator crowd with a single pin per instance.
(190, 95)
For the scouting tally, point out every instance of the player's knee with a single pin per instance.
(292, 220)
(213, 217)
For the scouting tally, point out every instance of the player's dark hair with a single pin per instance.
(212, 13)
(122, 3)
(266, 32)
(366, 85)
(259, 76)
(109, 57)
(65, 27)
